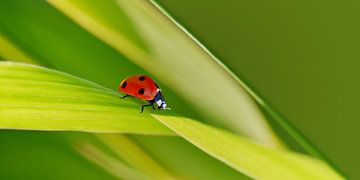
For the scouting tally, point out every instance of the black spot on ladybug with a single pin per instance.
(141, 91)
(156, 85)
(124, 85)
(141, 78)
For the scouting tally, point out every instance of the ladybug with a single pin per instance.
(145, 88)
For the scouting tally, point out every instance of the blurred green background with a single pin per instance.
(302, 56)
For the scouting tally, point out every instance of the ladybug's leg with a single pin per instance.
(124, 96)
(151, 103)
(142, 107)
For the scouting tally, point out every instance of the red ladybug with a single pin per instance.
(143, 87)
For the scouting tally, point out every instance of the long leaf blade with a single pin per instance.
(41, 99)
(247, 157)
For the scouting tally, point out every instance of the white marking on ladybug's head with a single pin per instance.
(159, 102)
(162, 105)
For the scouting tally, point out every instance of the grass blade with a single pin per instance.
(42, 99)
(247, 157)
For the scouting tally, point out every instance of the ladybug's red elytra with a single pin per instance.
(145, 88)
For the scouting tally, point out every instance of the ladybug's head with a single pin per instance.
(163, 105)
(160, 101)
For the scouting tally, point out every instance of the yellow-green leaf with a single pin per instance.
(248, 157)
(37, 98)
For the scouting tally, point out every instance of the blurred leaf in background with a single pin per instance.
(40, 155)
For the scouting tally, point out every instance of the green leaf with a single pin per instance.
(247, 157)
(43, 99)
